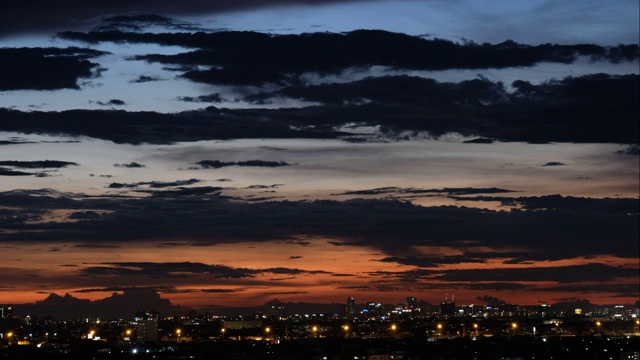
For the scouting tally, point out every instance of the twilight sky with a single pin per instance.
(222, 155)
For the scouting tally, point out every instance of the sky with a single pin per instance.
(204, 155)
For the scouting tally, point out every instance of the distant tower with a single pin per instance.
(351, 306)
(412, 303)
(448, 307)
(6, 312)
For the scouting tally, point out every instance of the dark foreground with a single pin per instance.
(517, 347)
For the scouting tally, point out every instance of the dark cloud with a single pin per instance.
(148, 127)
(12, 142)
(592, 272)
(151, 184)
(84, 215)
(216, 164)
(432, 261)
(632, 150)
(294, 257)
(554, 163)
(572, 228)
(593, 108)
(628, 289)
(565, 203)
(116, 306)
(112, 102)
(211, 98)
(45, 164)
(184, 270)
(125, 288)
(144, 79)
(9, 172)
(447, 191)
(41, 15)
(141, 22)
(249, 58)
(130, 165)
(45, 68)
(222, 291)
(213, 191)
(480, 141)
(491, 300)
(96, 246)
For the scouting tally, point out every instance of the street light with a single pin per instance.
(222, 331)
(346, 330)
(475, 327)
(315, 331)
(267, 330)
(598, 323)
(514, 326)
(178, 331)
(393, 330)
(439, 329)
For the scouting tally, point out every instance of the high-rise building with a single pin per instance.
(351, 306)
(412, 303)
(276, 312)
(448, 307)
(6, 312)
(146, 324)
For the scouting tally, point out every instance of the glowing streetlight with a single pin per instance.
(223, 331)
(178, 332)
(393, 330)
(475, 327)
(267, 330)
(514, 326)
(598, 323)
(346, 330)
(314, 330)
(128, 332)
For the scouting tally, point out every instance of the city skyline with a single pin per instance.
(215, 155)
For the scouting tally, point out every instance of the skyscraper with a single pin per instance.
(351, 306)
(146, 324)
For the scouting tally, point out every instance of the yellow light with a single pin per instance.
(128, 332)
(268, 329)
(598, 323)
(346, 328)
(514, 325)
(475, 326)
(9, 334)
(439, 326)
(315, 328)
(393, 327)
(92, 332)
(222, 330)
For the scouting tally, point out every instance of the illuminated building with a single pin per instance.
(448, 307)
(351, 306)
(146, 325)
(412, 303)
(6, 312)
